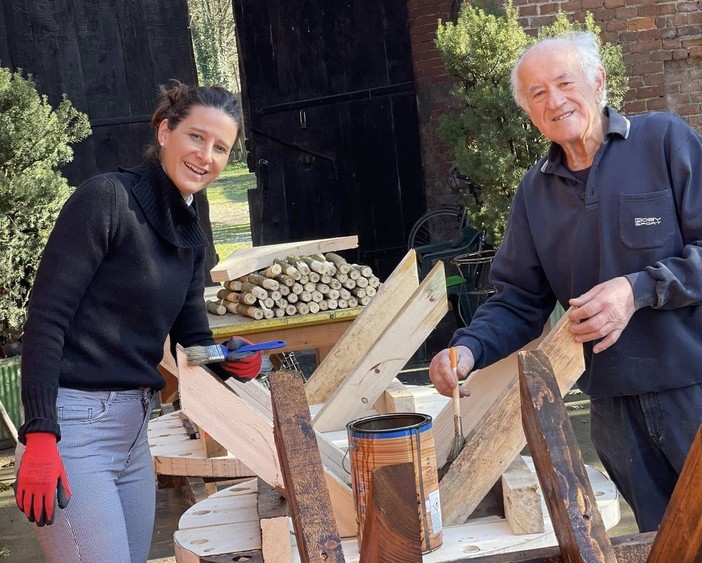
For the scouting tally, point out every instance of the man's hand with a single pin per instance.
(441, 374)
(603, 312)
(41, 478)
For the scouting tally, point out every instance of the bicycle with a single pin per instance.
(448, 220)
(445, 233)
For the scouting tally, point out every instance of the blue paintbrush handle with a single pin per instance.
(268, 345)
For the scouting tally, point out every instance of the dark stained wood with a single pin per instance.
(559, 465)
(248, 556)
(628, 549)
(391, 530)
(331, 113)
(679, 537)
(271, 504)
(308, 499)
(109, 58)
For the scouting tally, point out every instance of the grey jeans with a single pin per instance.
(105, 451)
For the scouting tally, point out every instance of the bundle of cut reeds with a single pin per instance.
(297, 285)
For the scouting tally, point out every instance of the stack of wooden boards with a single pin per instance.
(297, 285)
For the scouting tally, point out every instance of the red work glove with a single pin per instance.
(40, 478)
(244, 365)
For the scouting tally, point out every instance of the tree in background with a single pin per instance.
(214, 43)
(34, 143)
(492, 139)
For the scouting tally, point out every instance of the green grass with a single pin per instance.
(229, 208)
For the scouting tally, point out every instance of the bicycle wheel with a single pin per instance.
(476, 289)
(436, 226)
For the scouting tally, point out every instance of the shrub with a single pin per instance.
(34, 142)
(492, 139)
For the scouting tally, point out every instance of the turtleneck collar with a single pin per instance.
(164, 207)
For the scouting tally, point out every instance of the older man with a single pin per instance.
(609, 223)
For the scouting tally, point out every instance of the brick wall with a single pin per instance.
(661, 44)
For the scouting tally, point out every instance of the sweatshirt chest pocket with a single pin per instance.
(647, 220)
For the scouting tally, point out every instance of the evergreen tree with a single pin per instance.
(492, 139)
(34, 142)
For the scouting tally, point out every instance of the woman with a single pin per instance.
(122, 270)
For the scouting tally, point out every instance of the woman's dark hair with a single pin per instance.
(176, 101)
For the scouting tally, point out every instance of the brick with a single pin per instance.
(647, 68)
(656, 104)
(638, 24)
(654, 79)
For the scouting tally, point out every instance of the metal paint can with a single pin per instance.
(394, 438)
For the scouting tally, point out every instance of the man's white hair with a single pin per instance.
(588, 54)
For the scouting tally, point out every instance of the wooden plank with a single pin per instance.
(522, 498)
(247, 260)
(247, 433)
(309, 504)
(362, 334)
(230, 420)
(496, 437)
(628, 549)
(679, 536)
(559, 464)
(175, 454)
(8, 424)
(396, 398)
(273, 518)
(391, 526)
(388, 354)
(254, 393)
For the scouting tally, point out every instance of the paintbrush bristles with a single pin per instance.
(199, 355)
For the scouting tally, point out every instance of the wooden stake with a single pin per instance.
(570, 499)
(679, 536)
(309, 503)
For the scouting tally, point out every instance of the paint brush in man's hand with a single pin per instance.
(199, 355)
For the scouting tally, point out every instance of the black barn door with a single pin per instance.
(331, 122)
(109, 57)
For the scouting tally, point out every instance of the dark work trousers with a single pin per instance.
(642, 441)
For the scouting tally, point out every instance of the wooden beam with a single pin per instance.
(247, 433)
(522, 499)
(364, 331)
(8, 424)
(559, 464)
(310, 507)
(390, 352)
(242, 430)
(391, 529)
(396, 398)
(495, 438)
(273, 518)
(679, 536)
(628, 549)
(247, 260)
(175, 454)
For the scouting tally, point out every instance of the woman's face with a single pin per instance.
(197, 150)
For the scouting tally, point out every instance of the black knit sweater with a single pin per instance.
(123, 268)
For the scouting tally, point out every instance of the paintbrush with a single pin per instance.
(458, 441)
(198, 355)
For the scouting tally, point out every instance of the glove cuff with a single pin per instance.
(41, 439)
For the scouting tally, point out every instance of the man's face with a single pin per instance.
(559, 101)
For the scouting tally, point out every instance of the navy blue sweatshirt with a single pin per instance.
(122, 269)
(639, 216)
